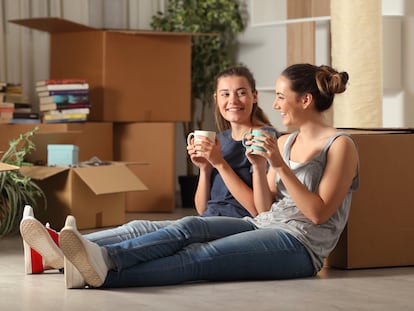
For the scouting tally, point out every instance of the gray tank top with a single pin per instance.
(319, 240)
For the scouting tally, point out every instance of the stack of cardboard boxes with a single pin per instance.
(140, 86)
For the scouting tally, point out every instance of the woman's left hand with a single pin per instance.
(271, 150)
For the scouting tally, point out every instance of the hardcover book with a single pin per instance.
(61, 81)
(65, 117)
(63, 92)
(68, 111)
(24, 121)
(72, 106)
(28, 115)
(47, 106)
(54, 87)
(64, 99)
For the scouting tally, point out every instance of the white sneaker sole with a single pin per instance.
(35, 235)
(75, 251)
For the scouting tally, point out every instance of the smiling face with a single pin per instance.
(290, 105)
(234, 98)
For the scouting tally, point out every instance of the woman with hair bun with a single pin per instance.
(302, 189)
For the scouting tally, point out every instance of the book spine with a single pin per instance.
(22, 105)
(6, 109)
(72, 106)
(63, 92)
(53, 87)
(7, 105)
(22, 115)
(64, 99)
(24, 121)
(68, 111)
(64, 116)
(61, 81)
(46, 107)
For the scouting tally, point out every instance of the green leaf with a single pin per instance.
(17, 190)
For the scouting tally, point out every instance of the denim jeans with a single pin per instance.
(206, 248)
(128, 231)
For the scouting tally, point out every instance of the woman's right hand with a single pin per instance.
(196, 159)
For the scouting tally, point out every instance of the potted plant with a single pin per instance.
(216, 24)
(16, 190)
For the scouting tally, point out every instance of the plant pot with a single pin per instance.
(188, 186)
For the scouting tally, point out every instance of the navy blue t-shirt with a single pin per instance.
(222, 202)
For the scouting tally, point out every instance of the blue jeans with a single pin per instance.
(129, 231)
(207, 248)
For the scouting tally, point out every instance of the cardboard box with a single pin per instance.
(380, 230)
(4, 167)
(152, 143)
(133, 75)
(95, 195)
(92, 138)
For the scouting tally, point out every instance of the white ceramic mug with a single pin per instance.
(209, 134)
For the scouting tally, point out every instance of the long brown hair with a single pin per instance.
(257, 117)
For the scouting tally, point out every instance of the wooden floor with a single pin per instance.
(333, 289)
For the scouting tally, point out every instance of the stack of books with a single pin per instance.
(6, 109)
(63, 100)
(15, 106)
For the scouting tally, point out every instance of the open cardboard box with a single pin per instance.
(95, 195)
(133, 75)
(380, 230)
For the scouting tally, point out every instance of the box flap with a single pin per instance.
(52, 25)
(110, 179)
(60, 25)
(7, 167)
(41, 172)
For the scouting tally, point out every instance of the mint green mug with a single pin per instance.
(254, 133)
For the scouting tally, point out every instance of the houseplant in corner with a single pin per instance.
(215, 25)
(16, 190)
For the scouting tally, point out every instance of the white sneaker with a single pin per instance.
(85, 255)
(73, 278)
(40, 244)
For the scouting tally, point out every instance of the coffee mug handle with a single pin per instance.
(191, 135)
(244, 139)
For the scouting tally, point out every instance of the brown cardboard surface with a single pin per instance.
(4, 167)
(110, 179)
(380, 229)
(52, 25)
(133, 75)
(93, 138)
(152, 143)
(94, 195)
